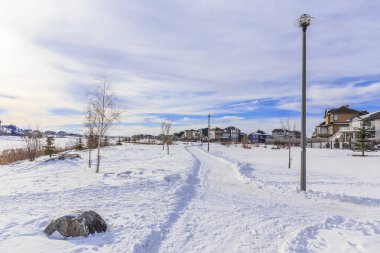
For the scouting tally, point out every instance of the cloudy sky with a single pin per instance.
(239, 61)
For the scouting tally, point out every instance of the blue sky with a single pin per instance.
(239, 61)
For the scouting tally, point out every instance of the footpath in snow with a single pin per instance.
(228, 200)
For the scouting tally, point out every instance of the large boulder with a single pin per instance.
(81, 224)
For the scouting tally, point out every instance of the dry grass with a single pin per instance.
(9, 156)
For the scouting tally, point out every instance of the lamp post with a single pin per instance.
(304, 21)
(208, 134)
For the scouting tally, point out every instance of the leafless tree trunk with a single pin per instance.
(32, 144)
(102, 107)
(89, 126)
(163, 134)
(289, 132)
(166, 129)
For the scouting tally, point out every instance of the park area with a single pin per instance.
(227, 200)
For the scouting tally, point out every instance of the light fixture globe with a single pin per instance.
(304, 21)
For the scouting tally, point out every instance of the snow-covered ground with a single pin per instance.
(228, 200)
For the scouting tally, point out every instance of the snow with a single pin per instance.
(13, 142)
(227, 200)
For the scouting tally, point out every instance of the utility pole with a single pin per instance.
(304, 21)
(208, 134)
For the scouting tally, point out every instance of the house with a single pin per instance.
(335, 119)
(230, 134)
(61, 134)
(214, 134)
(371, 121)
(217, 132)
(321, 131)
(191, 135)
(4, 130)
(258, 137)
(179, 136)
(282, 134)
(203, 134)
(49, 133)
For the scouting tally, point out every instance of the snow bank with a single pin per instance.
(138, 191)
(331, 174)
(337, 234)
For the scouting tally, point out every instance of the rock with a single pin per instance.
(94, 222)
(68, 156)
(83, 224)
(64, 156)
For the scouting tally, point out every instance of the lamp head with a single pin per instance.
(304, 21)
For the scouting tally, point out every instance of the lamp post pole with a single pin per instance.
(208, 134)
(303, 112)
(304, 21)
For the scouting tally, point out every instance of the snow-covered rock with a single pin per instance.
(83, 224)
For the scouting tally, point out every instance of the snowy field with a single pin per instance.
(13, 142)
(229, 200)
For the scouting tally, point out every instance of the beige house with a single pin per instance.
(335, 119)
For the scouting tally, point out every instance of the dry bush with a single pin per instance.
(226, 143)
(9, 156)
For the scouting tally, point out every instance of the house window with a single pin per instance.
(336, 117)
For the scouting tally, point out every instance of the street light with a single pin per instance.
(304, 21)
(208, 134)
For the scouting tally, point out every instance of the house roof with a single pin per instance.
(258, 133)
(278, 130)
(366, 117)
(371, 116)
(345, 109)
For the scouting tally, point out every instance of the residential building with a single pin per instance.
(258, 137)
(371, 121)
(191, 135)
(282, 134)
(61, 134)
(179, 136)
(335, 119)
(218, 133)
(230, 134)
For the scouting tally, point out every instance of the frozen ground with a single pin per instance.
(228, 200)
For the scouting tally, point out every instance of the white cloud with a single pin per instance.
(189, 58)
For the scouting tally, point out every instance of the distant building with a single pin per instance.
(191, 135)
(230, 134)
(258, 137)
(335, 119)
(282, 134)
(179, 136)
(49, 133)
(61, 134)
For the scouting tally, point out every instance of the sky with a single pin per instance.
(239, 61)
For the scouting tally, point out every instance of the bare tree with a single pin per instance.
(104, 113)
(33, 143)
(166, 130)
(89, 125)
(244, 142)
(163, 134)
(289, 135)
